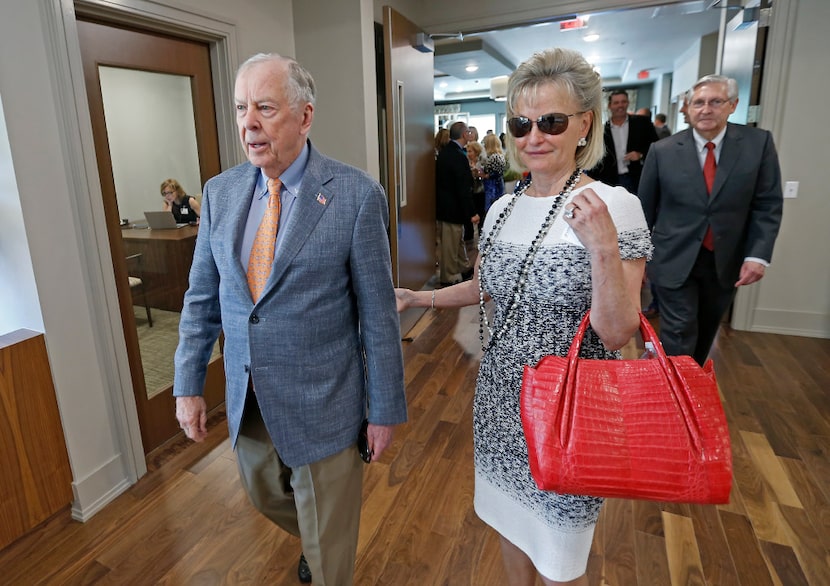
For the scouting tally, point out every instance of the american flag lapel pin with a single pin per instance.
(321, 199)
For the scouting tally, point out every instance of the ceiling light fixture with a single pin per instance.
(591, 38)
(471, 68)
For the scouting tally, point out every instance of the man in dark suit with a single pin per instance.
(660, 127)
(712, 197)
(627, 140)
(312, 338)
(454, 206)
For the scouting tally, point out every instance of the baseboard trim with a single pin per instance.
(791, 323)
(99, 489)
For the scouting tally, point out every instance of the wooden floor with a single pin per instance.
(188, 521)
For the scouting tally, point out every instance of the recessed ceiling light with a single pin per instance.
(443, 84)
(590, 38)
(471, 68)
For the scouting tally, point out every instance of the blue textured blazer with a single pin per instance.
(323, 342)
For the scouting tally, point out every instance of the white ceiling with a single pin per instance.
(630, 41)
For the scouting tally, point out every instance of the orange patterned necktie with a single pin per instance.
(262, 251)
(709, 169)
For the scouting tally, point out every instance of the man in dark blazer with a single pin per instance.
(660, 127)
(453, 206)
(318, 350)
(627, 140)
(706, 245)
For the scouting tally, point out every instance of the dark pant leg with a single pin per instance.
(690, 314)
(678, 318)
(713, 303)
(655, 299)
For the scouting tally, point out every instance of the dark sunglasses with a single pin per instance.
(554, 123)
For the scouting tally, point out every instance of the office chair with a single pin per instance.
(137, 282)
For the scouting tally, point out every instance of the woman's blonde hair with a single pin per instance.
(442, 137)
(474, 147)
(492, 144)
(572, 74)
(177, 187)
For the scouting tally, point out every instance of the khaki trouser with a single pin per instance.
(452, 252)
(319, 502)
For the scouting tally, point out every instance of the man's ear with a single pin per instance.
(308, 117)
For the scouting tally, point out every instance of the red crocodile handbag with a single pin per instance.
(649, 429)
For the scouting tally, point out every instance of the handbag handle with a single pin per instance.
(679, 390)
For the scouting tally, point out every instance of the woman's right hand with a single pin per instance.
(403, 299)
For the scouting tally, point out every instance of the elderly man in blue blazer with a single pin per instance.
(314, 347)
(712, 197)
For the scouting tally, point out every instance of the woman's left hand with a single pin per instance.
(590, 220)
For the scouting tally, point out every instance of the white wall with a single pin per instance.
(56, 243)
(262, 26)
(335, 41)
(794, 297)
(19, 301)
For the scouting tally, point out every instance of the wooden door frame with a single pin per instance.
(111, 45)
(85, 187)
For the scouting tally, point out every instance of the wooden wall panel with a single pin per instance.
(36, 480)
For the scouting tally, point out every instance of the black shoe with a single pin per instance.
(303, 571)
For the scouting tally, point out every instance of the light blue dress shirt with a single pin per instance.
(291, 179)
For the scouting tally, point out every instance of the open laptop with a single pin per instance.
(162, 220)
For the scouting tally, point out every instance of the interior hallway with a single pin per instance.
(189, 522)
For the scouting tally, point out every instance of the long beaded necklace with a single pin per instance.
(524, 268)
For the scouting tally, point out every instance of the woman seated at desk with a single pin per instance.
(185, 208)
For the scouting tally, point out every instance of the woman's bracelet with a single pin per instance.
(433, 299)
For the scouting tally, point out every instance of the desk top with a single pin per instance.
(130, 233)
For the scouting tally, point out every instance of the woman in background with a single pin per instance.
(442, 137)
(494, 166)
(185, 208)
(475, 155)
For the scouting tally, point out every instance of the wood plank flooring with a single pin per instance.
(189, 522)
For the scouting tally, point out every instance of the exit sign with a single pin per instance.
(572, 24)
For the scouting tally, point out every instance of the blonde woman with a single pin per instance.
(494, 166)
(185, 208)
(561, 244)
(475, 155)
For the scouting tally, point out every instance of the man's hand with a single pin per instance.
(475, 219)
(750, 272)
(192, 415)
(379, 436)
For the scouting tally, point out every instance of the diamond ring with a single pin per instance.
(569, 212)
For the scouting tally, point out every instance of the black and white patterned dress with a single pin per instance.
(554, 530)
